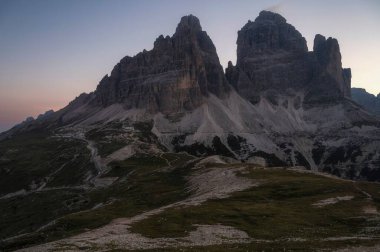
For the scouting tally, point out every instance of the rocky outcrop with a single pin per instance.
(174, 76)
(269, 34)
(368, 101)
(45, 115)
(328, 54)
(272, 56)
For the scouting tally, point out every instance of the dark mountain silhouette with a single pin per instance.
(368, 101)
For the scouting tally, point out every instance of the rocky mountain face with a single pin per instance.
(368, 101)
(175, 76)
(280, 105)
(275, 66)
(272, 56)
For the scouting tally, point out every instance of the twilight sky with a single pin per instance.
(53, 50)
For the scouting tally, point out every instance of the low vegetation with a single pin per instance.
(279, 214)
(27, 160)
(281, 211)
(145, 183)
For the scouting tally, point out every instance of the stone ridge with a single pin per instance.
(368, 101)
(272, 56)
(175, 76)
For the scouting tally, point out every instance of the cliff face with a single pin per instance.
(268, 34)
(176, 75)
(272, 56)
(329, 58)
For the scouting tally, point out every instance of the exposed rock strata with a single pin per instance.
(174, 76)
(273, 56)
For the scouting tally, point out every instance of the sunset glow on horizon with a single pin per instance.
(51, 51)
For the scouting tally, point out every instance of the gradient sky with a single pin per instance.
(53, 50)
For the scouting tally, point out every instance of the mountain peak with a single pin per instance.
(270, 16)
(175, 76)
(327, 52)
(189, 22)
(268, 34)
(273, 55)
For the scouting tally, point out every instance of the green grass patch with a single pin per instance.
(25, 214)
(28, 158)
(144, 185)
(280, 208)
(275, 246)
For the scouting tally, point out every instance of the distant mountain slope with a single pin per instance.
(370, 102)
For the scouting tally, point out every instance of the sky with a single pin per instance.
(53, 50)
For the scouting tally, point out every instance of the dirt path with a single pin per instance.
(370, 208)
(100, 164)
(95, 158)
(41, 187)
(80, 134)
(369, 196)
(46, 189)
(166, 160)
(204, 183)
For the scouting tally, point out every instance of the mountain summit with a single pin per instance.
(272, 56)
(175, 76)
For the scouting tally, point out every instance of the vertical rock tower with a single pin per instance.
(273, 56)
(175, 76)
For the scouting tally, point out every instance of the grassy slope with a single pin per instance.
(143, 185)
(106, 138)
(29, 158)
(146, 187)
(279, 209)
(32, 156)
